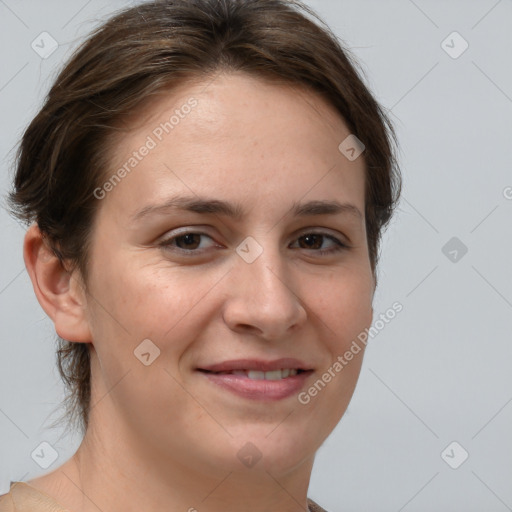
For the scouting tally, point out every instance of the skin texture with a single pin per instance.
(164, 435)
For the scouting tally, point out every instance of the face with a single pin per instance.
(235, 246)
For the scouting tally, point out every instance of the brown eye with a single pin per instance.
(312, 241)
(315, 241)
(188, 241)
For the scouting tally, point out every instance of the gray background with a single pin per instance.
(440, 371)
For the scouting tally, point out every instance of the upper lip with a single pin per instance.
(257, 364)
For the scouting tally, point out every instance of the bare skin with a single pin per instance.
(163, 436)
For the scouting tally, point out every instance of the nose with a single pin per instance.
(261, 298)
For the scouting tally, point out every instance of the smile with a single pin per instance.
(261, 380)
(260, 375)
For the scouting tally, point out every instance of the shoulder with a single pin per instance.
(6, 502)
(22, 497)
(25, 498)
(313, 507)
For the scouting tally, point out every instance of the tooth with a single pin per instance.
(273, 375)
(256, 375)
(270, 375)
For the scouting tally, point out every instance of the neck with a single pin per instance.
(137, 480)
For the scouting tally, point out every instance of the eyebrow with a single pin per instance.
(236, 211)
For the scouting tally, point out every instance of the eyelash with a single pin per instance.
(168, 244)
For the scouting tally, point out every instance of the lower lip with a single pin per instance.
(259, 389)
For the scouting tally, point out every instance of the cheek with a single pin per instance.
(151, 301)
(344, 304)
(343, 313)
(137, 303)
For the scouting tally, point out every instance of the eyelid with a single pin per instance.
(339, 245)
(167, 241)
(338, 239)
(327, 232)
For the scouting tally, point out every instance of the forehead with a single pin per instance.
(234, 133)
(224, 101)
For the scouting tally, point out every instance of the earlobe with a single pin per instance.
(58, 291)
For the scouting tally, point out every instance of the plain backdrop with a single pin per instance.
(436, 385)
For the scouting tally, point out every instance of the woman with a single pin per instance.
(207, 183)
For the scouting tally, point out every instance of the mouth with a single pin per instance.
(257, 379)
(282, 373)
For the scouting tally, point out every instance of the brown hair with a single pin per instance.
(145, 50)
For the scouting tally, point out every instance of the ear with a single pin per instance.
(58, 291)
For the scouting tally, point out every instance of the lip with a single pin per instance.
(257, 364)
(261, 390)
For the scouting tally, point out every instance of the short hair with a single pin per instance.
(149, 49)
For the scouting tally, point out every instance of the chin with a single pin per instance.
(275, 449)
